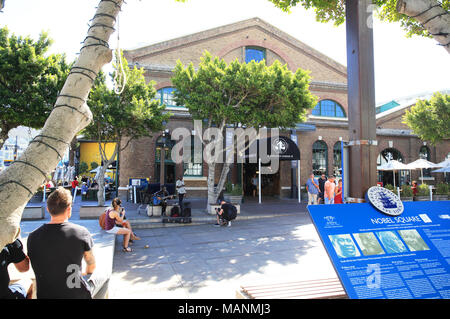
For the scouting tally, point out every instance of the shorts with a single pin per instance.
(17, 291)
(114, 230)
(329, 200)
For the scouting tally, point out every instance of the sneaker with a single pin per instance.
(216, 225)
(229, 224)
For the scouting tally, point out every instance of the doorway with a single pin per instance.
(270, 183)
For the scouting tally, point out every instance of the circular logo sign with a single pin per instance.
(280, 146)
(385, 201)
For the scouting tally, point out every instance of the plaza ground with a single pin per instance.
(272, 242)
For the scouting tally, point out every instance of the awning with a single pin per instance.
(280, 147)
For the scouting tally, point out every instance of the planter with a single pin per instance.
(37, 198)
(33, 213)
(406, 199)
(233, 199)
(440, 197)
(91, 212)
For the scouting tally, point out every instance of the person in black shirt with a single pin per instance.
(225, 214)
(56, 251)
(13, 253)
(322, 181)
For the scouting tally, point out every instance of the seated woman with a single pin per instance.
(115, 224)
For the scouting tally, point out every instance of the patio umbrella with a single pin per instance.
(443, 170)
(421, 164)
(443, 163)
(393, 165)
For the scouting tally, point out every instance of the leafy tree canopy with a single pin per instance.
(252, 94)
(430, 120)
(29, 81)
(334, 10)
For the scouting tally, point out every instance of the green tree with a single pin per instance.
(430, 120)
(121, 118)
(428, 18)
(252, 94)
(29, 81)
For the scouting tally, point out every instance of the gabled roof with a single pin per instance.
(231, 28)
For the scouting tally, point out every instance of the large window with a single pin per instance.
(256, 54)
(195, 166)
(320, 158)
(328, 108)
(166, 96)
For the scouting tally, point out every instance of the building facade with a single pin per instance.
(318, 139)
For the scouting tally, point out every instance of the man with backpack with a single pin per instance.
(225, 214)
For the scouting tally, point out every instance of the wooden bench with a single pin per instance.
(329, 288)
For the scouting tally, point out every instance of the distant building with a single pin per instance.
(318, 139)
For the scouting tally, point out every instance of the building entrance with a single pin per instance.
(270, 183)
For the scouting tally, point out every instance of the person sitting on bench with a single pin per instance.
(115, 223)
(162, 197)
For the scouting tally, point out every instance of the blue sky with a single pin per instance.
(402, 66)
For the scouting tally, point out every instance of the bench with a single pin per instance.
(329, 288)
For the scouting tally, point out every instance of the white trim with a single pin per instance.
(196, 188)
(193, 178)
(315, 117)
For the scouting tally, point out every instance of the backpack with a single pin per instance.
(232, 213)
(102, 218)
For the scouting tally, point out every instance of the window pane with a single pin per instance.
(254, 54)
(316, 110)
(319, 158)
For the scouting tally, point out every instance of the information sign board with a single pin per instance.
(380, 256)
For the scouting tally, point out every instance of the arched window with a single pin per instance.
(320, 158)
(166, 96)
(328, 108)
(337, 159)
(389, 154)
(256, 54)
(425, 154)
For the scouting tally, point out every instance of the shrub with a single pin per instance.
(423, 190)
(406, 191)
(83, 168)
(94, 165)
(442, 189)
(389, 187)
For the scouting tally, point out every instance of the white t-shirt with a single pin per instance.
(180, 187)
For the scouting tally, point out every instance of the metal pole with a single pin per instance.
(299, 185)
(45, 190)
(259, 180)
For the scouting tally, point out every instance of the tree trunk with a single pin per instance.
(20, 181)
(212, 197)
(431, 15)
(101, 177)
(72, 151)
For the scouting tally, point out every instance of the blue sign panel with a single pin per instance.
(380, 256)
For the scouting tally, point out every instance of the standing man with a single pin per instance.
(313, 190)
(181, 191)
(322, 181)
(74, 185)
(56, 250)
(330, 186)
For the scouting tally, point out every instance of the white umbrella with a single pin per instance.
(393, 165)
(421, 164)
(443, 163)
(443, 170)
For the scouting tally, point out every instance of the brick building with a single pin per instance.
(318, 138)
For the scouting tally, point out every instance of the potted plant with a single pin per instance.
(233, 193)
(390, 187)
(406, 194)
(442, 191)
(423, 193)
